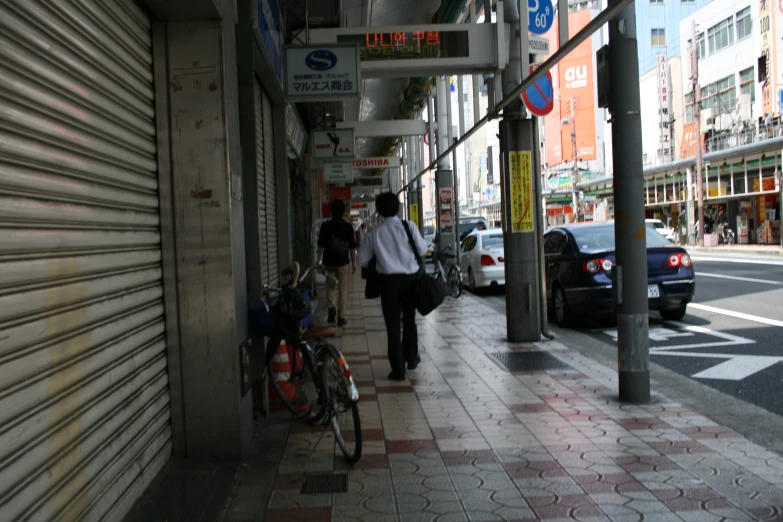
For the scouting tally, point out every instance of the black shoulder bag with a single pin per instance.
(428, 293)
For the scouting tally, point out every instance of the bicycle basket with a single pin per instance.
(264, 315)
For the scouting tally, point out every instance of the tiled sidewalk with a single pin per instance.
(467, 440)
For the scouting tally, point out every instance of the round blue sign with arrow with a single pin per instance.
(540, 15)
(539, 98)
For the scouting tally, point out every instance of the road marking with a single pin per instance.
(734, 368)
(738, 315)
(735, 278)
(730, 340)
(738, 260)
(738, 368)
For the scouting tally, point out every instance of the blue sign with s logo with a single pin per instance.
(321, 60)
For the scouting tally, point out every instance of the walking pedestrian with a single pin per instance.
(397, 267)
(337, 250)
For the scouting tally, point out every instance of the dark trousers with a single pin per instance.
(396, 298)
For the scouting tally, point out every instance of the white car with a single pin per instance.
(428, 232)
(482, 259)
(662, 229)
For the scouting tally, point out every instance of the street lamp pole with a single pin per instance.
(574, 189)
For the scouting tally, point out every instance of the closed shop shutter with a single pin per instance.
(84, 404)
(271, 192)
(261, 181)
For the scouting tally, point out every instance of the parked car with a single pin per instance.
(662, 229)
(481, 259)
(428, 232)
(469, 224)
(580, 260)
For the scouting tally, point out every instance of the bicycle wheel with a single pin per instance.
(299, 395)
(343, 400)
(455, 282)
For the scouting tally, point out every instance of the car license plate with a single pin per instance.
(653, 291)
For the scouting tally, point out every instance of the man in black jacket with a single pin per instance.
(337, 250)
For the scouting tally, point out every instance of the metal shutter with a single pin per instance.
(84, 405)
(261, 181)
(271, 193)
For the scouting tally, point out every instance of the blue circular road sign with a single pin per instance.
(540, 97)
(540, 15)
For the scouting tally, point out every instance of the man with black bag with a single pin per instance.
(395, 247)
(337, 249)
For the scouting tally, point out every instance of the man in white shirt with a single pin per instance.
(397, 265)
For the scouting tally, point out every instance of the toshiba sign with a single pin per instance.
(377, 163)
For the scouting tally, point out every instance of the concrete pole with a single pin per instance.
(518, 134)
(697, 121)
(630, 272)
(689, 207)
(419, 159)
(448, 233)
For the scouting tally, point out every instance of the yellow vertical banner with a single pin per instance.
(413, 214)
(521, 191)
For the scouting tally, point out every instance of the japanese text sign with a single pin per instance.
(322, 73)
(521, 191)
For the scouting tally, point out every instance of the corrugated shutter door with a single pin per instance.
(84, 405)
(261, 181)
(271, 193)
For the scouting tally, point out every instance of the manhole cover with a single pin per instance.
(528, 361)
(325, 484)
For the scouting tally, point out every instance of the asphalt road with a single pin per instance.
(732, 337)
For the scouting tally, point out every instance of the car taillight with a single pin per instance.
(680, 260)
(593, 266)
(487, 261)
(501, 260)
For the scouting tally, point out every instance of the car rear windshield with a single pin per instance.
(602, 237)
(492, 241)
(429, 231)
(656, 224)
(466, 227)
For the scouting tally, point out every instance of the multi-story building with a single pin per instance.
(658, 28)
(728, 49)
(662, 111)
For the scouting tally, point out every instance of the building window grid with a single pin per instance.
(658, 37)
(719, 96)
(721, 35)
(747, 85)
(744, 24)
(701, 46)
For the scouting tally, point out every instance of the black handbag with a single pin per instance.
(372, 288)
(428, 293)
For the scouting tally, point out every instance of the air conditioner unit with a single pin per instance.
(726, 122)
(707, 120)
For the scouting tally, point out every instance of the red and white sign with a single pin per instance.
(333, 143)
(664, 110)
(446, 209)
(540, 97)
(377, 163)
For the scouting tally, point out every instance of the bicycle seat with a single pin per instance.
(319, 332)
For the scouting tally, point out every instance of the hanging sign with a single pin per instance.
(334, 143)
(521, 191)
(322, 73)
(385, 162)
(360, 192)
(338, 172)
(539, 98)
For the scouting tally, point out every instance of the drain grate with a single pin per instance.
(528, 361)
(325, 484)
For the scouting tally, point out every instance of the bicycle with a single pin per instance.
(451, 279)
(326, 384)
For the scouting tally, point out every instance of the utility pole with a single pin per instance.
(445, 214)
(520, 165)
(574, 189)
(697, 120)
(629, 276)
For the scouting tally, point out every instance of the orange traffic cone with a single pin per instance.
(280, 372)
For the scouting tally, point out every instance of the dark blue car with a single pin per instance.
(579, 263)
